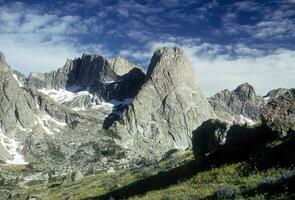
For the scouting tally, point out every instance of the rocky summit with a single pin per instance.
(121, 66)
(241, 105)
(167, 108)
(273, 94)
(94, 74)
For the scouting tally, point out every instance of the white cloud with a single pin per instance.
(36, 41)
(217, 71)
(264, 72)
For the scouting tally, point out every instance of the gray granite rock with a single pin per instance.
(24, 114)
(279, 113)
(167, 107)
(2, 58)
(94, 74)
(90, 71)
(239, 103)
(275, 93)
(121, 66)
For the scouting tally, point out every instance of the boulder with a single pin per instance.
(76, 175)
(209, 137)
(216, 141)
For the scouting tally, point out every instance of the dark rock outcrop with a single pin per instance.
(90, 71)
(237, 104)
(279, 113)
(94, 74)
(219, 142)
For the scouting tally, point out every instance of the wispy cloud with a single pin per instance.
(34, 41)
(265, 20)
(226, 66)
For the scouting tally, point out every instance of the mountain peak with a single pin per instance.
(275, 93)
(169, 60)
(169, 51)
(2, 58)
(91, 56)
(167, 108)
(245, 91)
(121, 65)
(245, 86)
(241, 102)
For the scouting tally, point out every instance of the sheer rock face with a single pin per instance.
(94, 74)
(275, 93)
(243, 101)
(167, 108)
(2, 58)
(89, 71)
(22, 113)
(279, 113)
(121, 66)
(16, 111)
(16, 102)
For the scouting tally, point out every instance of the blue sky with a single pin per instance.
(228, 42)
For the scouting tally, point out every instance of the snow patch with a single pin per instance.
(108, 82)
(243, 119)
(102, 105)
(57, 130)
(266, 99)
(16, 78)
(12, 147)
(125, 102)
(78, 108)
(63, 95)
(107, 105)
(28, 130)
(175, 145)
(44, 123)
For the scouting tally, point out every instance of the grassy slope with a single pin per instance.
(239, 177)
(179, 177)
(100, 184)
(204, 184)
